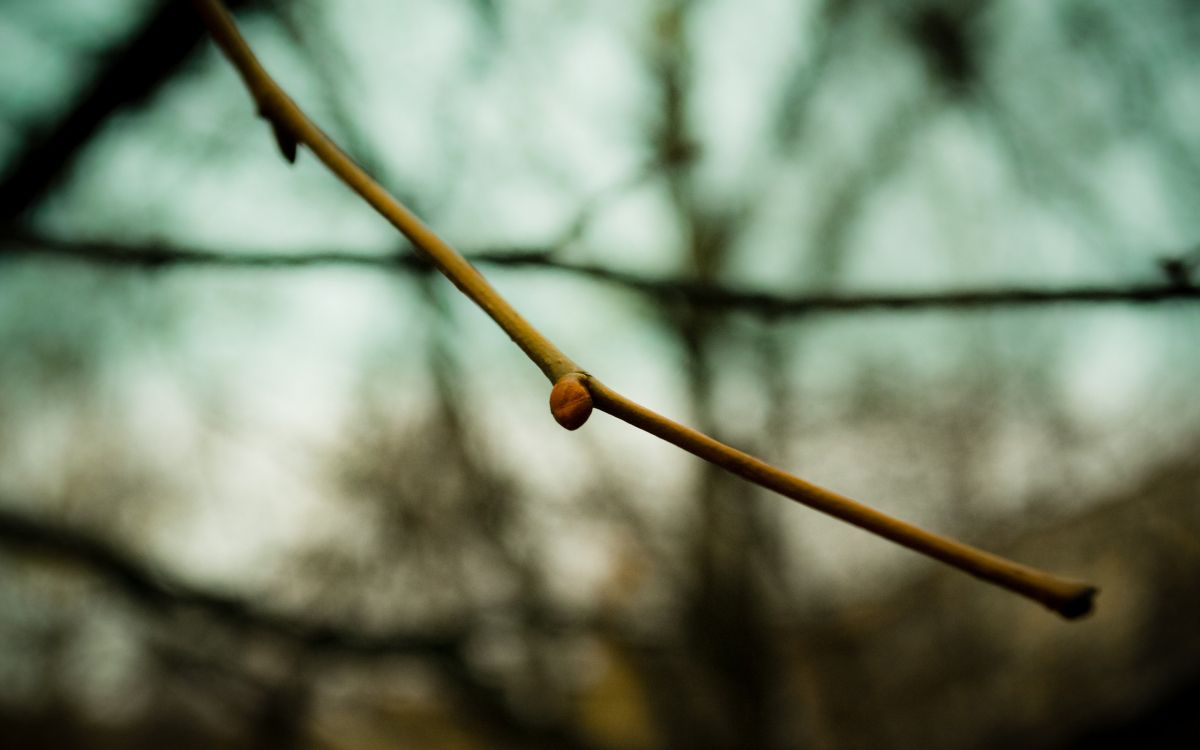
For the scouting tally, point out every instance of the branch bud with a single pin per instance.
(570, 401)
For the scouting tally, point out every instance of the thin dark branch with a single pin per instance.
(128, 73)
(698, 294)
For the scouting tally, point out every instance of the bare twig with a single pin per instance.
(1068, 598)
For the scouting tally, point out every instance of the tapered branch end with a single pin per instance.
(1078, 603)
(570, 401)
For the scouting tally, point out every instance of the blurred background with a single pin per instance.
(266, 481)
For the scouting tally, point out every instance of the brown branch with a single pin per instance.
(708, 296)
(1070, 599)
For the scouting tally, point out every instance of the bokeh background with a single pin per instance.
(266, 481)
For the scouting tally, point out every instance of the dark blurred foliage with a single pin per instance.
(228, 519)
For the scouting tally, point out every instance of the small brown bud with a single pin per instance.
(570, 401)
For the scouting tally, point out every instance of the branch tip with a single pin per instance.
(1079, 605)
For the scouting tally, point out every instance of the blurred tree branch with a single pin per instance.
(1177, 284)
(133, 69)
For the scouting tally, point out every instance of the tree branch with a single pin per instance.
(708, 296)
(130, 72)
(1068, 598)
